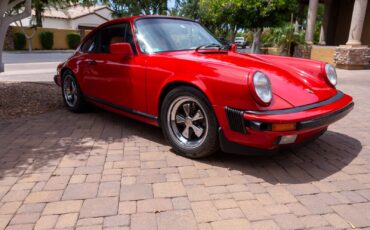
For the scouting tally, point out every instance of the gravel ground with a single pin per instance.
(26, 99)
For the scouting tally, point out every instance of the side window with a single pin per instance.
(111, 34)
(115, 34)
(89, 45)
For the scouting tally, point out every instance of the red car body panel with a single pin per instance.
(139, 83)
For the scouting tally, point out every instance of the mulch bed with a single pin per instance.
(23, 99)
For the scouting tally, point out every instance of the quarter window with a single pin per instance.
(89, 46)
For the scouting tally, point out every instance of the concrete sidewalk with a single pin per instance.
(29, 72)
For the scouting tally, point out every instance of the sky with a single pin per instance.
(170, 3)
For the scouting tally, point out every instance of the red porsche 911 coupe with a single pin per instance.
(171, 72)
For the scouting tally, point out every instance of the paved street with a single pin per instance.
(98, 170)
(35, 57)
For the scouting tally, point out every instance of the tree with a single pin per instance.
(139, 7)
(7, 17)
(30, 36)
(266, 13)
(230, 16)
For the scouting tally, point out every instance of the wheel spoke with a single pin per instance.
(185, 133)
(197, 130)
(198, 116)
(180, 119)
(186, 108)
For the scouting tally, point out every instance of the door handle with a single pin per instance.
(91, 62)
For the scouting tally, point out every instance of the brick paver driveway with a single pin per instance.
(99, 170)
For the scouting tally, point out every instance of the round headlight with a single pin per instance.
(331, 74)
(262, 87)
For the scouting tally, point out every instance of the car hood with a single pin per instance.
(297, 81)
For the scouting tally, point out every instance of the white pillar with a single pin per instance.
(311, 21)
(357, 23)
(322, 36)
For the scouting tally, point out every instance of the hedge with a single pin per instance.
(19, 41)
(73, 40)
(47, 40)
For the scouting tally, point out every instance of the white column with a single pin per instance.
(322, 36)
(357, 23)
(311, 20)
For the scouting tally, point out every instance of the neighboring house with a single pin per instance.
(75, 17)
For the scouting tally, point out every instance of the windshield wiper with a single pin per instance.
(210, 46)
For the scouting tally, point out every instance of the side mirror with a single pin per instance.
(121, 49)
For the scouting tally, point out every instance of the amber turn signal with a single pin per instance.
(283, 127)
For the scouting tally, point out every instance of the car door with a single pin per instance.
(86, 55)
(119, 81)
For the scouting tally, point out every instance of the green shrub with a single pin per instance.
(19, 41)
(73, 40)
(47, 40)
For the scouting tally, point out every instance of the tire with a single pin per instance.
(187, 108)
(73, 101)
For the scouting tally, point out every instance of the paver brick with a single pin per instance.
(253, 210)
(265, 225)
(25, 218)
(180, 203)
(143, 221)
(10, 207)
(136, 192)
(115, 221)
(314, 205)
(204, 211)
(168, 189)
(17, 195)
(4, 220)
(235, 224)
(281, 195)
(289, 221)
(80, 191)
(127, 207)
(44, 196)
(57, 182)
(61, 207)
(176, 219)
(109, 189)
(231, 213)
(90, 221)
(46, 222)
(154, 205)
(98, 207)
(197, 193)
(67, 220)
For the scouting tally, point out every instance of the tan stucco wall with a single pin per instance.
(60, 37)
(323, 53)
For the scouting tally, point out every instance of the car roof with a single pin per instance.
(133, 18)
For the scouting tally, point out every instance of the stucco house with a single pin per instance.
(74, 17)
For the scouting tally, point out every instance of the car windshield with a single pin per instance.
(162, 34)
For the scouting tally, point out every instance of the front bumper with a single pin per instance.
(256, 128)
(57, 80)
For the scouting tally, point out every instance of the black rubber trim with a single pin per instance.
(236, 120)
(124, 109)
(227, 146)
(327, 119)
(297, 109)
